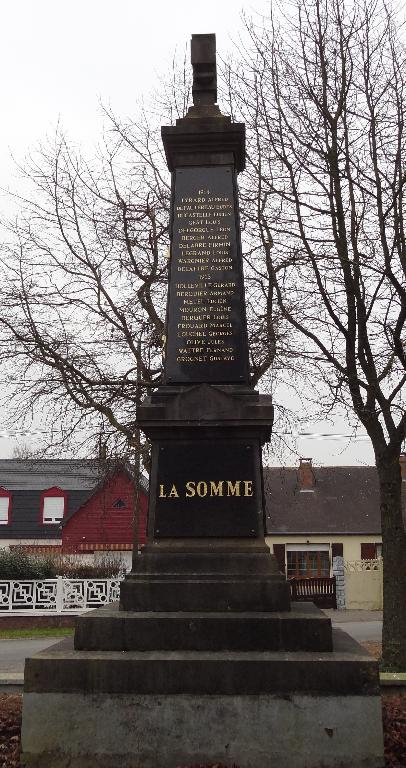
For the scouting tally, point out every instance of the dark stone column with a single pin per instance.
(207, 426)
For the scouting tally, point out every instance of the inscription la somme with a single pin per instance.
(204, 488)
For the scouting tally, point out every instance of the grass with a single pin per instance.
(35, 632)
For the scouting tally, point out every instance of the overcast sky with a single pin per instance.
(60, 59)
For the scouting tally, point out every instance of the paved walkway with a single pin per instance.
(13, 652)
(363, 626)
(340, 617)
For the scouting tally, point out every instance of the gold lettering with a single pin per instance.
(216, 489)
(210, 488)
(233, 489)
(248, 488)
(201, 488)
(190, 489)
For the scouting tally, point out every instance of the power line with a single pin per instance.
(323, 435)
(4, 434)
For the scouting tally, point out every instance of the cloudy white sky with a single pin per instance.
(59, 60)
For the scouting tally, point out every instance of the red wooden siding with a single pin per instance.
(38, 549)
(98, 524)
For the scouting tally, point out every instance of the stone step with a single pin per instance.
(305, 628)
(204, 561)
(205, 594)
(348, 669)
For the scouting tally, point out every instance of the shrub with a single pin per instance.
(16, 564)
(108, 566)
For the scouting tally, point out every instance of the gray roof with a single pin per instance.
(68, 474)
(345, 500)
(40, 474)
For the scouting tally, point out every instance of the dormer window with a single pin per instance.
(5, 507)
(53, 506)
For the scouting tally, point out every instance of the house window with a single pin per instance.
(119, 504)
(307, 562)
(5, 507)
(53, 506)
(371, 550)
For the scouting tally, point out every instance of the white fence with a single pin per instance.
(359, 584)
(57, 595)
(364, 584)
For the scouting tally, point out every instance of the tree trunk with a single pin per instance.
(394, 564)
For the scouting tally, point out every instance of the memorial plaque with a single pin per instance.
(206, 488)
(206, 326)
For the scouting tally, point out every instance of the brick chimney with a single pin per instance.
(402, 462)
(306, 478)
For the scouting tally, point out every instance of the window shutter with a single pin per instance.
(4, 504)
(279, 552)
(337, 550)
(368, 551)
(53, 508)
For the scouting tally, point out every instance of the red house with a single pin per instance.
(104, 522)
(75, 505)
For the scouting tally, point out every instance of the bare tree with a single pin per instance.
(23, 450)
(323, 94)
(83, 295)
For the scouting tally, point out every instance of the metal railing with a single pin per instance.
(320, 590)
(57, 595)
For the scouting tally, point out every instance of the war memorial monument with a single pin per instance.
(204, 660)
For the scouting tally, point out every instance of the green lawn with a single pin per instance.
(7, 634)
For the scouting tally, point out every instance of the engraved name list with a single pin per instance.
(205, 330)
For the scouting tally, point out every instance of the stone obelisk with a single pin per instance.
(206, 423)
(204, 661)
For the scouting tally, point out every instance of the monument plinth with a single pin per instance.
(204, 660)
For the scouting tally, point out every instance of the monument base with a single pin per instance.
(164, 709)
(113, 731)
